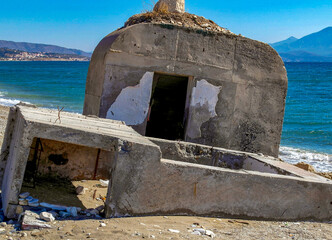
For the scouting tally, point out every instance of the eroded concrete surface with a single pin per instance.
(132, 104)
(160, 177)
(249, 82)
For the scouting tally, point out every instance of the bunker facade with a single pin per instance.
(196, 85)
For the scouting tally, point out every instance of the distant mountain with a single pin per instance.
(287, 41)
(315, 47)
(36, 47)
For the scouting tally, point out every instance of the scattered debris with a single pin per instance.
(46, 216)
(31, 221)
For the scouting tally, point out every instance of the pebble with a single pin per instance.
(46, 216)
(63, 214)
(210, 233)
(102, 225)
(24, 195)
(23, 202)
(196, 233)
(2, 230)
(23, 234)
(201, 230)
(174, 230)
(72, 211)
(80, 190)
(3, 224)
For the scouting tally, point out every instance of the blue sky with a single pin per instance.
(83, 23)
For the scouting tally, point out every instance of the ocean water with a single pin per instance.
(307, 130)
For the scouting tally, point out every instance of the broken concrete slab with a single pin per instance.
(27, 124)
(31, 221)
(160, 177)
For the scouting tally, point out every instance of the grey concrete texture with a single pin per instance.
(143, 182)
(25, 124)
(169, 187)
(250, 75)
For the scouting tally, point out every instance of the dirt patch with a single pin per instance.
(179, 19)
(63, 192)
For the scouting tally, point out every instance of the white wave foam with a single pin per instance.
(8, 102)
(322, 162)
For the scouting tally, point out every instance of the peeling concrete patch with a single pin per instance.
(132, 105)
(203, 106)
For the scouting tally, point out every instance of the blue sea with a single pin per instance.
(307, 130)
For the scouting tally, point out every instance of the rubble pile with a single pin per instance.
(179, 19)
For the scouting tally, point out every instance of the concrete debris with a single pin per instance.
(53, 206)
(202, 231)
(23, 202)
(46, 216)
(64, 214)
(24, 195)
(31, 221)
(104, 183)
(72, 211)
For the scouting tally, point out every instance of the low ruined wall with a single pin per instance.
(237, 101)
(145, 186)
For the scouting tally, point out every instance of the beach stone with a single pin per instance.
(23, 202)
(305, 166)
(63, 214)
(24, 195)
(72, 211)
(174, 6)
(80, 190)
(46, 216)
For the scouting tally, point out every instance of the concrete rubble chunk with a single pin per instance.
(176, 6)
(53, 206)
(31, 221)
(72, 211)
(24, 195)
(47, 216)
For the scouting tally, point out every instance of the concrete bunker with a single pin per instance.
(236, 88)
(152, 176)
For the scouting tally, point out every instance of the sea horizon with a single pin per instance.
(307, 129)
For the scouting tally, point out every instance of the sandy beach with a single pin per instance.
(162, 227)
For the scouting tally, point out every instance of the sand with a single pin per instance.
(159, 227)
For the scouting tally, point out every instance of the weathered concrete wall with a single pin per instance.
(246, 79)
(142, 183)
(72, 161)
(29, 123)
(145, 186)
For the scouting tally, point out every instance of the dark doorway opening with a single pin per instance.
(167, 107)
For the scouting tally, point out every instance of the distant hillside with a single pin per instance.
(36, 47)
(18, 55)
(315, 47)
(287, 41)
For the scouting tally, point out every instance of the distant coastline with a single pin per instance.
(7, 54)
